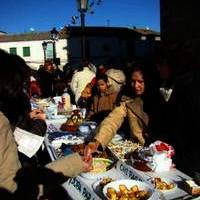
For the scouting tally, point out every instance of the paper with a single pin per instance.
(27, 142)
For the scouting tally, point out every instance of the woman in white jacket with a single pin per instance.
(80, 79)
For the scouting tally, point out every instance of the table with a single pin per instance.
(82, 188)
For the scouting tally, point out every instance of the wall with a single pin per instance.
(36, 57)
(99, 48)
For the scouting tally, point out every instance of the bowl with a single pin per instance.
(129, 183)
(101, 169)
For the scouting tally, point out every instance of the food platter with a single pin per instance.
(122, 148)
(131, 186)
(66, 139)
(164, 185)
(101, 168)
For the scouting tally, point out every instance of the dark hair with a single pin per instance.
(127, 89)
(14, 73)
(103, 77)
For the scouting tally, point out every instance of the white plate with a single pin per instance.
(168, 181)
(128, 183)
(58, 117)
(91, 124)
(92, 175)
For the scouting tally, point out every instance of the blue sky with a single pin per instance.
(25, 15)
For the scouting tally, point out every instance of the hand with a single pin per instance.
(89, 149)
(37, 114)
(87, 164)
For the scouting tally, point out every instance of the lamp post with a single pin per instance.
(82, 8)
(54, 37)
(44, 46)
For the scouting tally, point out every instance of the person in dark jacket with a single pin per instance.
(46, 79)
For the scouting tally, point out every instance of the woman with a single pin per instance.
(14, 105)
(131, 107)
(104, 100)
(80, 80)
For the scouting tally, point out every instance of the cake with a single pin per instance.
(69, 125)
(72, 124)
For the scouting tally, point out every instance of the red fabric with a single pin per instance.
(160, 146)
(93, 82)
(34, 89)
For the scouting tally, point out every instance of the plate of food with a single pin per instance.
(101, 168)
(164, 185)
(122, 148)
(142, 159)
(98, 186)
(128, 189)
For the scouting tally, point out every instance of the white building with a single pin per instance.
(29, 47)
(101, 45)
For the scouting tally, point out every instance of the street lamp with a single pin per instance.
(54, 37)
(82, 8)
(44, 46)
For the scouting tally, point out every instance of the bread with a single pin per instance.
(192, 187)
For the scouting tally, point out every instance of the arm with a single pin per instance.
(92, 108)
(106, 130)
(9, 161)
(71, 165)
(110, 125)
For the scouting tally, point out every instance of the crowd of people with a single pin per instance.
(125, 99)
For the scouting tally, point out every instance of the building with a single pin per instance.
(2, 33)
(29, 47)
(102, 44)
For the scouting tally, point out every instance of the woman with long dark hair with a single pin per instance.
(130, 106)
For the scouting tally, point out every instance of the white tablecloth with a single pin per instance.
(80, 188)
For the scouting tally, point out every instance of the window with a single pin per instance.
(26, 51)
(157, 38)
(49, 51)
(143, 37)
(13, 50)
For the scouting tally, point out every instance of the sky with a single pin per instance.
(42, 15)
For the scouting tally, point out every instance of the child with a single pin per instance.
(104, 100)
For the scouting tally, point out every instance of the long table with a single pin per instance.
(80, 188)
